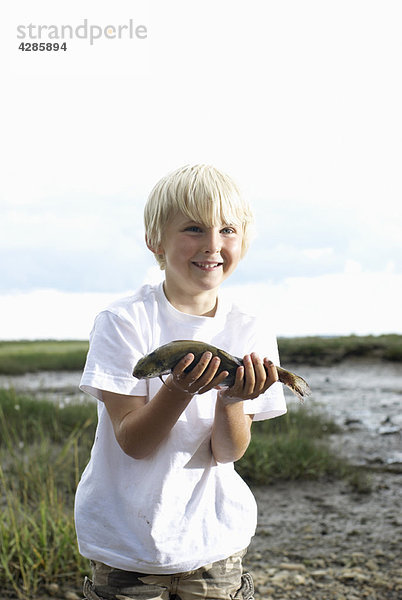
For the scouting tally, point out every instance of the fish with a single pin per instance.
(163, 360)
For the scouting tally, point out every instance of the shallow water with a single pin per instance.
(364, 398)
(59, 386)
(365, 393)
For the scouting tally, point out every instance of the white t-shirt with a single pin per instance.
(177, 509)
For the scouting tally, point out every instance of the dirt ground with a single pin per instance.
(324, 540)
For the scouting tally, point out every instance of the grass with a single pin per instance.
(47, 355)
(327, 350)
(44, 448)
(50, 355)
(291, 447)
(31, 420)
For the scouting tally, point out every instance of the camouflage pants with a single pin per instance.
(220, 580)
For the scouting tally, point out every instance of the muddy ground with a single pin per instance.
(324, 540)
(320, 540)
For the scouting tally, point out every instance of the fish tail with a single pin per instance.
(295, 383)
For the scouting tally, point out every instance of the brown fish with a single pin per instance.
(164, 359)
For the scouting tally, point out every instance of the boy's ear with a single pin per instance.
(155, 250)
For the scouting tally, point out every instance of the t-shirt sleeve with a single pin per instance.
(114, 348)
(272, 403)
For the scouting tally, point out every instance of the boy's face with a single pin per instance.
(199, 258)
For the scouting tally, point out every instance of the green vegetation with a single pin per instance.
(291, 447)
(44, 448)
(328, 350)
(47, 355)
(50, 355)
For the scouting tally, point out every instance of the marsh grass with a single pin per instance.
(50, 355)
(44, 449)
(316, 350)
(43, 355)
(31, 419)
(291, 447)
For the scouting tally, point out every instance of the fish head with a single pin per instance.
(149, 366)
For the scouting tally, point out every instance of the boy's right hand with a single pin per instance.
(202, 376)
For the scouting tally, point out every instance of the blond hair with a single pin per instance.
(204, 195)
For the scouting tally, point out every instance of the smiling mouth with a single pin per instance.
(207, 266)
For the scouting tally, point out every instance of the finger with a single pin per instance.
(272, 373)
(236, 390)
(260, 373)
(183, 364)
(208, 375)
(249, 376)
(215, 383)
(198, 368)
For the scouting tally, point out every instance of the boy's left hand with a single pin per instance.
(252, 380)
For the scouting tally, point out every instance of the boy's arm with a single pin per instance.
(231, 429)
(140, 426)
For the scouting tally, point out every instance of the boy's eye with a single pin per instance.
(199, 229)
(193, 228)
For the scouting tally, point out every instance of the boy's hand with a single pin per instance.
(202, 376)
(251, 381)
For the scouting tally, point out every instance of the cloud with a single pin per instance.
(96, 243)
(340, 304)
(72, 244)
(332, 304)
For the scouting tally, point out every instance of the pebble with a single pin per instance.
(53, 589)
(71, 596)
(292, 566)
(353, 576)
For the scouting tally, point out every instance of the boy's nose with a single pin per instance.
(212, 245)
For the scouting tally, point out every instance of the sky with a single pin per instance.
(299, 101)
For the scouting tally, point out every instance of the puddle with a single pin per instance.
(364, 398)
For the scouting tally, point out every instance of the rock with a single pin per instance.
(71, 596)
(356, 574)
(321, 573)
(280, 578)
(389, 430)
(352, 422)
(299, 579)
(292, 566)
(372, 565)
(52, 589)
(320, 563)
(266, 591)
(358, 557)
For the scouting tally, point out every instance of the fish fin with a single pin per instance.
(295, 383)
(162, 380)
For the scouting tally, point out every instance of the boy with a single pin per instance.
(160, 511)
